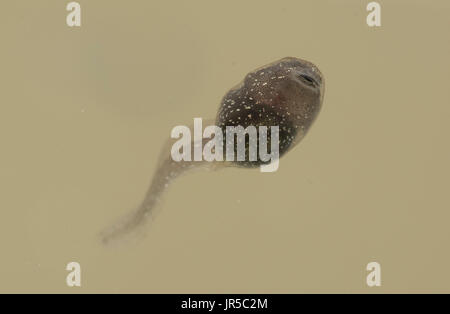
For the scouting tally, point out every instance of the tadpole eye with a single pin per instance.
(308, 80)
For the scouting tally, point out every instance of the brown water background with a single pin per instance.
(84, 112)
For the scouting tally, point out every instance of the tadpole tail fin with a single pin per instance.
(167, 170)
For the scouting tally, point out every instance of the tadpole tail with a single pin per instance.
(167, 171)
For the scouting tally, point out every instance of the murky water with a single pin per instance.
(86, 111)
